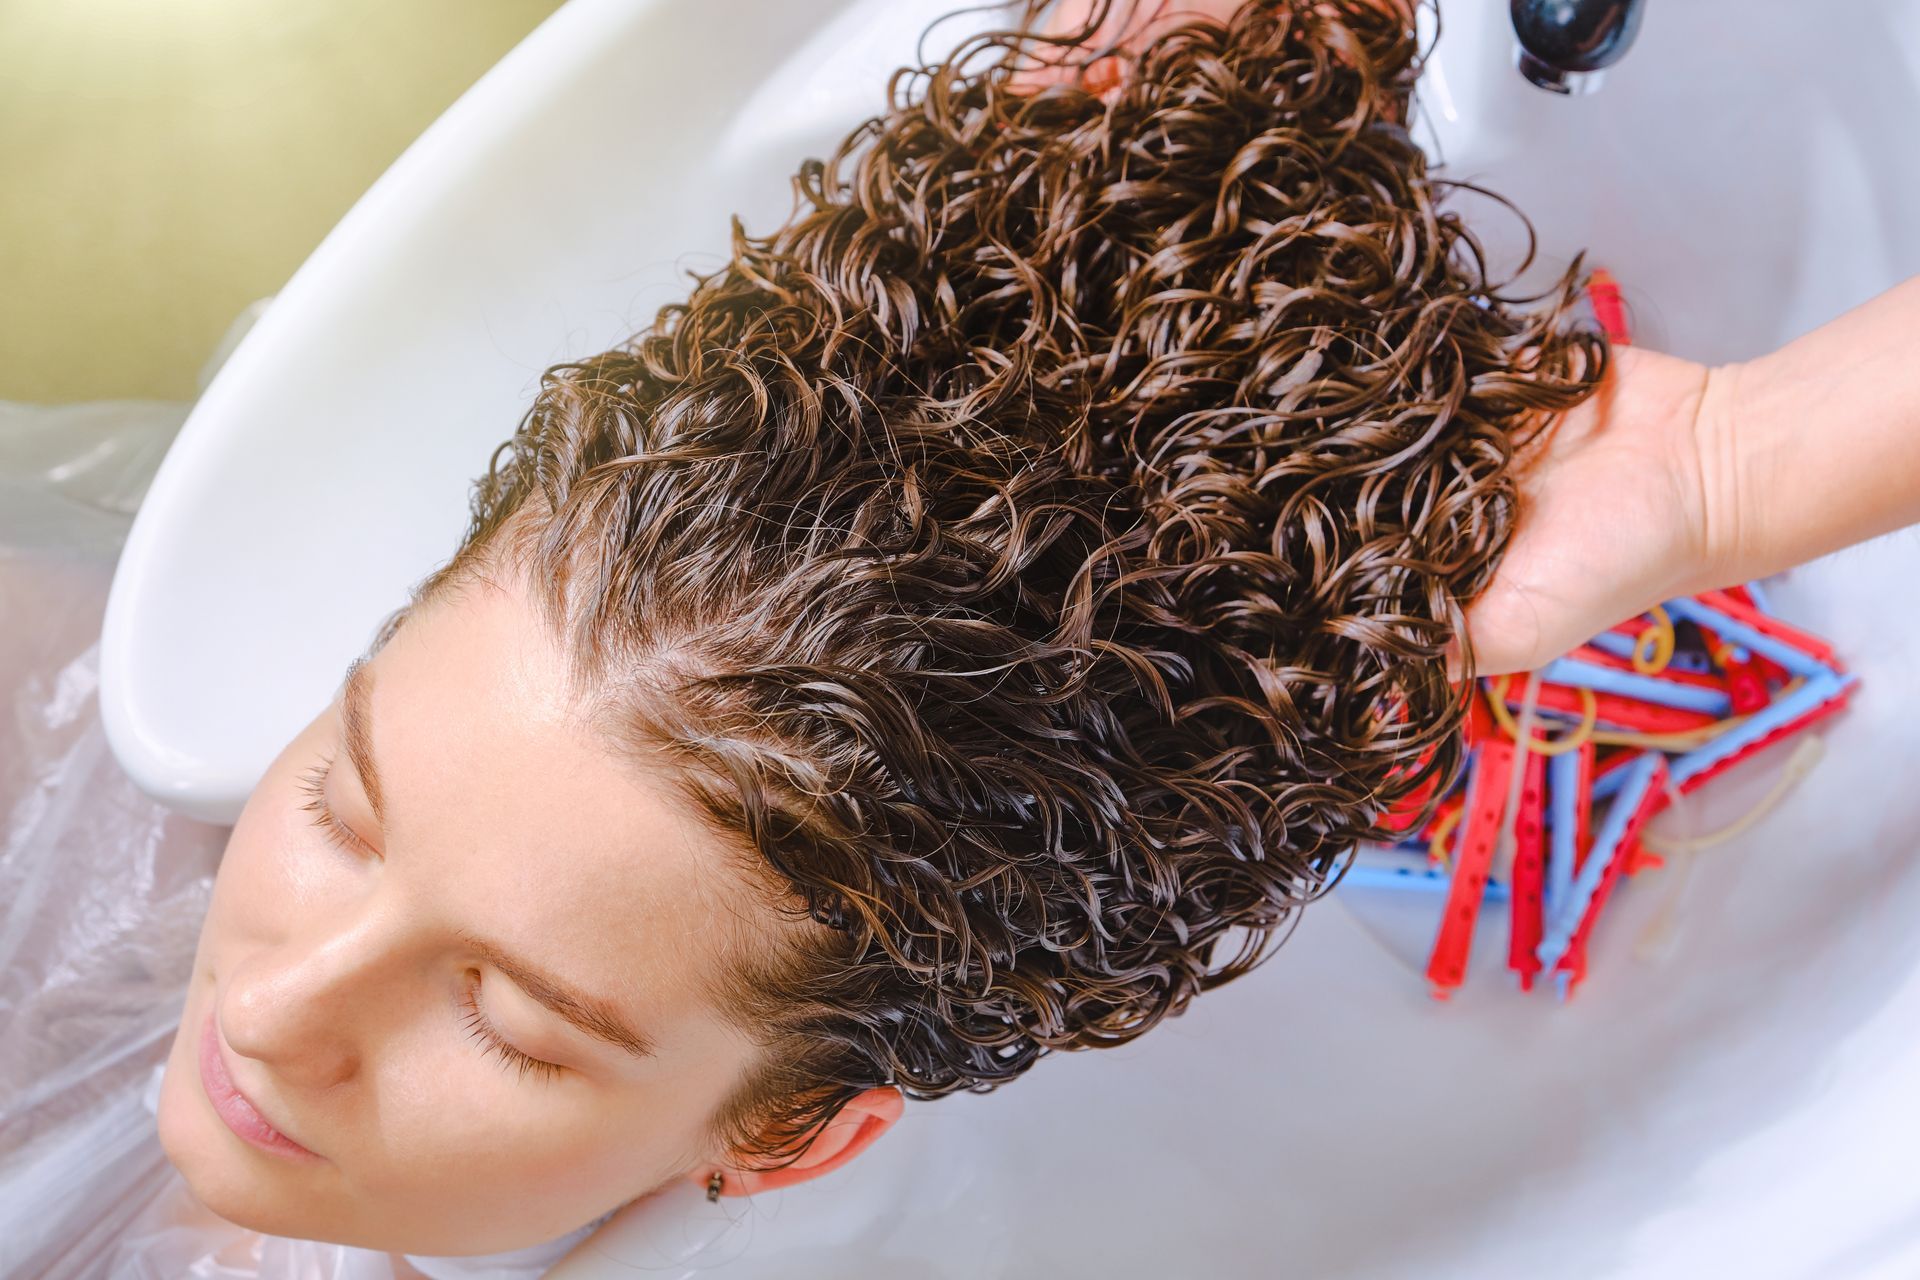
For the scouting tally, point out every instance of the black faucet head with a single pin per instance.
(1563, 45)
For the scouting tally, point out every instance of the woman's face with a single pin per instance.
(484, 865)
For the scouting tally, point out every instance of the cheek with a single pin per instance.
(275, 858)
(254, 885)
(487, 1159)
(606, 1149)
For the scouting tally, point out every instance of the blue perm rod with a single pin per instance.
(1564, 922)
(1735, 631)
(1631, 684)
(1563, 779)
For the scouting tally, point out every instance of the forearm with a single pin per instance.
(1815, 446)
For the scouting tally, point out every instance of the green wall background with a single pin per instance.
(165, 162)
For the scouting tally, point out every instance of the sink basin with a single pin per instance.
(1742, 1106)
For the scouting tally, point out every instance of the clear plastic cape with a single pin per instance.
(102, 893)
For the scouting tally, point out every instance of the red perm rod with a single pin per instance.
(1745, 679)
(1640, 858)
(1770, 670)
(1692, 780)
(1765, 623)
(1529, 873)
(1588, 774)
(1618, 709)
(1672, 675)
(1603, 292)
(1405, 815)
(1473, 856)
(1480, 724)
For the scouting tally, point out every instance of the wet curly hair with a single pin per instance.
(1036, 556)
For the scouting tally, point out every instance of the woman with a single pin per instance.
(920, 650)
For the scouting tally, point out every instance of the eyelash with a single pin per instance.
(336, 832)
(483, 1032)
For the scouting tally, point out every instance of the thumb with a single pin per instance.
(1503, 637)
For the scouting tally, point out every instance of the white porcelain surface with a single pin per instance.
(1745, 1107)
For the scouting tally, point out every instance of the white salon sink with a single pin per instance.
(1744, 1108)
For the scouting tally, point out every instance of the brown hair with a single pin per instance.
(1036, 556)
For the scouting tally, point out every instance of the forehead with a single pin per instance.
(523, 826)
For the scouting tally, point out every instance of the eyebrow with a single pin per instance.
(593, 1016)
(359, 722)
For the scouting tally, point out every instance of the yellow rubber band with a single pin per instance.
(1436, 852)
(1804, 757)
(1589, 717)
(1689, 739)
(1663, 641)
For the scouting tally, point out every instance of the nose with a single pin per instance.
(309, 1006)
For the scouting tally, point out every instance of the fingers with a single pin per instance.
(1508, 634)
(1492, 655)
(1125, 25)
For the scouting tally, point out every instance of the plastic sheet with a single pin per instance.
(102, 894)
(104, 888)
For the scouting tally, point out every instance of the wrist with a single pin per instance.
(1722, 529)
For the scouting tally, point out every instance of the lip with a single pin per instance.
(234, 1107)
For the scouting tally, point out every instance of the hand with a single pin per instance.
(1138, 21)
(1614, 504)
(1615, 507)
(1130, 25)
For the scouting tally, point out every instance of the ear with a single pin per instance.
(851, 1131)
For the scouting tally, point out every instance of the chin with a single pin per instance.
(220, 1183)
(218, 1171)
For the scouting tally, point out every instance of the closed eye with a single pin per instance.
(314, 783)
(483, 1031)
